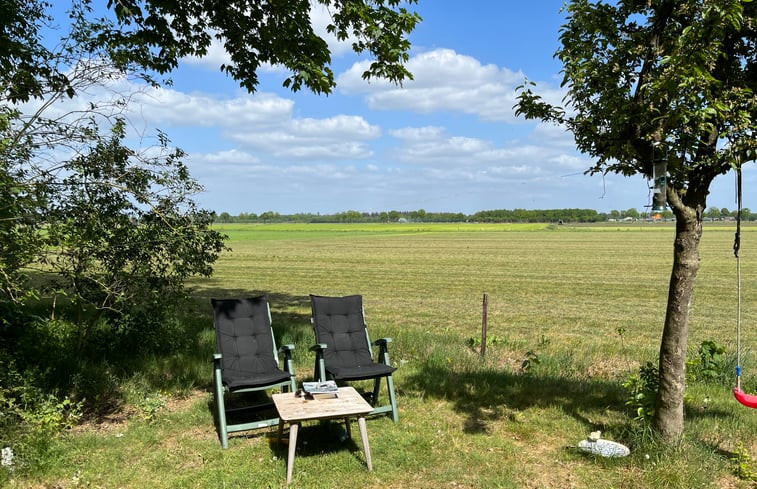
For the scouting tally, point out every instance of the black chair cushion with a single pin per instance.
(338, 323)
(361, 372)
(245, 341)
(239, 379)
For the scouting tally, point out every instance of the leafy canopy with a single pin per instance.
(645, 80)
(154, 35)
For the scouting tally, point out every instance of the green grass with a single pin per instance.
(585, 304)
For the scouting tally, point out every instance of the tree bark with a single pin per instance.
(668, 417)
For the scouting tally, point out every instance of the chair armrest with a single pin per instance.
(319, 371)
(287, 350)
(217, 376)
(383, 355)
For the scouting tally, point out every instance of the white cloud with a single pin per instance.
(473, 168)
(445, 80)
(230, 157)
(418, 133)
(337, 127)
(262, 123)
(167, 106)
(340, 137)
(432, 146)
(454, 150)
(247, 128)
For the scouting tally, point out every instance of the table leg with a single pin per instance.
(366, 446)
(293, 428)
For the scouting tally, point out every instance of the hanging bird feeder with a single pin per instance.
(660, 180)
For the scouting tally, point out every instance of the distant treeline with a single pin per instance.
(501, 215)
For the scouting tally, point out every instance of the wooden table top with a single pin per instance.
(347, 403)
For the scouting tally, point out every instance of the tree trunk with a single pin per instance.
(668, 417)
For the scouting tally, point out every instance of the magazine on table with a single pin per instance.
(320, 390)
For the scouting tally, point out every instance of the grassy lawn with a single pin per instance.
(580, 307)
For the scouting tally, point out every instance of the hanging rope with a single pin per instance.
(745, 399)
(736, 248)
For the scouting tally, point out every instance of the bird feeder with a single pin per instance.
(659, 179)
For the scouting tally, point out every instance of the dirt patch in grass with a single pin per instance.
(180, 403)
(611, 367)
(117, 420)
(106, 422)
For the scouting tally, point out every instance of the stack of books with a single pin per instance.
(320, 390)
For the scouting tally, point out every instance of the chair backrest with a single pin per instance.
(339, 323)
(244, 335)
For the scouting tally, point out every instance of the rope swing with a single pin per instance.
(745, 399)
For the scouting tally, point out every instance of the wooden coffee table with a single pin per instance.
(293, 410)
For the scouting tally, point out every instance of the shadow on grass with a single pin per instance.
(110, 367)
(316, 438)
(476, 392)
(484, 395)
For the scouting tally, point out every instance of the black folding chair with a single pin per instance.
(247, 359)
(343, 349)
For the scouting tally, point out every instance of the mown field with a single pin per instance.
(573, 311)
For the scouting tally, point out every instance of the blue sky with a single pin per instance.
(447, 141)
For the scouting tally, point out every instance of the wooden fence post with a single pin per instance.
(484, 315)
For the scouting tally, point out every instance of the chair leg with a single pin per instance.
(392, 398)
(221, 407)
(376, 387)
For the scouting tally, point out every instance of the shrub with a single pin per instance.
(710, 363)
(30, 419)
(642, 391)
(745, 468)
